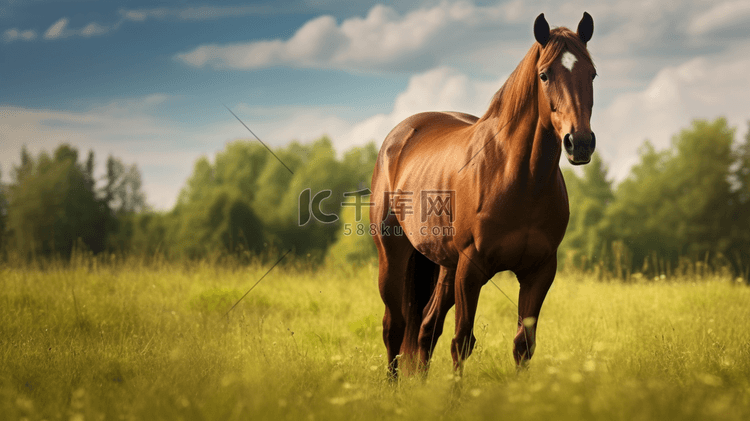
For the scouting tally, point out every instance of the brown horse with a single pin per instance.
(467, 197)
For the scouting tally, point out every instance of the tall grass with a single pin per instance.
(127, 338)
(615, 262)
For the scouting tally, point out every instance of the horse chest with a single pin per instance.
(521, 240)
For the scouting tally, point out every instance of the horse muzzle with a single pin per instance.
(579, 147)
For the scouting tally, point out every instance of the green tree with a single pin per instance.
(123, 198)
(224, 220)
(354, 243)
(122, 191)
(319, 171)
(52, 204)
(677, 202)
(144, 233)
(3, 212)
(589, 196)
(322, 171)
(215, 209)
(246, 172)
(740, 216)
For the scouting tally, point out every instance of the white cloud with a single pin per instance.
(383, 40)
(133, 15)
(276, 126)
(215, 12)
(196, 13)
(92, 29)
(128, 129)
(57, 29)
(645, 95)
(440, 89)
(703, 87)
(14, 34)
(61, 29)
(632, 40)
(142, 15)
(165, 152)
(28, 35)
(671, 100)
(721, 16)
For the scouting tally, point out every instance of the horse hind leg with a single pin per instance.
(433, 320)
(420, 280)
(394, 324)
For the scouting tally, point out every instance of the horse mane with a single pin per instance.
(518, 91)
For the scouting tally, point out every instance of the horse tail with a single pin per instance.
(419, 284)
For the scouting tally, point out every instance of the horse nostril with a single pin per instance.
(593, 141)
(568, 143)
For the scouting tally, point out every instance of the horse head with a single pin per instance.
(566, 95)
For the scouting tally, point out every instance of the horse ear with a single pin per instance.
(541, 30)
(586, 27)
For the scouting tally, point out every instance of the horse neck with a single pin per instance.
(526, 150)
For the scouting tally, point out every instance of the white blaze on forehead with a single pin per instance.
(569, 60)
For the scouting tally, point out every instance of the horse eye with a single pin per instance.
(543, 77)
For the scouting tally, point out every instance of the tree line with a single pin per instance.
(53, 202)
(246, 201)
(688, 203)
(685, 205)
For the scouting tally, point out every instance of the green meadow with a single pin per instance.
(132, 339)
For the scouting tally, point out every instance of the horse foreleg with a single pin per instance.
(534, 287)
(434, 316)
(469, 281)
(393, 257)
(393, 335)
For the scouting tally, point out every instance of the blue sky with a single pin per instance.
(146, 81)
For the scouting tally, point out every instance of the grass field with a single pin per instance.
(128, 340)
